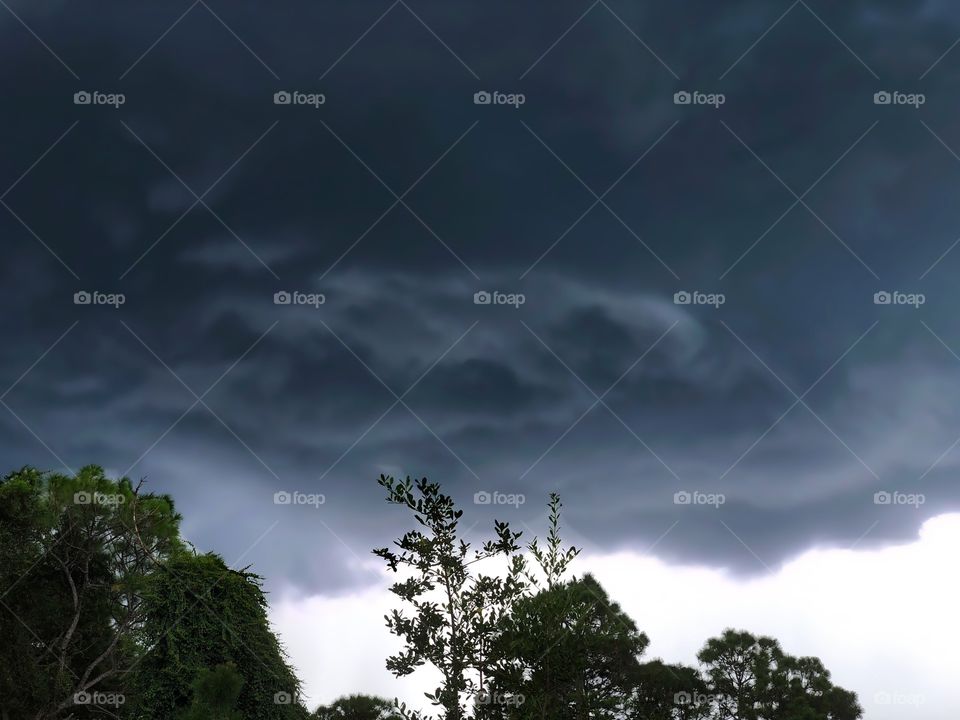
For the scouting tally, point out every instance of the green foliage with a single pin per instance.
(75, 553)
(202, 614)
(357, 707)
(215, 694)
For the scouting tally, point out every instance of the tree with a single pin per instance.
(751, 678)
(805, 690)
(75, 552)
(215, 694)
(457, 611)
(202, 614)
(570, 653)
(669, 692)
(739, 669)
(357, 707)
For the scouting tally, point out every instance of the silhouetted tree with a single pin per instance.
(457, 611)
(572, 654)
(751, 678)
(669, 692)
(357, 707)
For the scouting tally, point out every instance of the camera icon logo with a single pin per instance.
(882, 98)
(282, 698)
(682, 298)
(882, 498)
(682, 98)
(882, 298)
(82, 498)
(282, 498)
(482, 498)
(82, 698)
(482, 98)
(682, 498)
(282, 298)
(482, 298)
(82, 98)
(282, 98)
(682, 698)
(82, 297)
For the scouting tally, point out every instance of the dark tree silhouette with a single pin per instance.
(357, 707)
(669, 692)
(751, 678)
(534, 646)
(457, 610)
(570, 654)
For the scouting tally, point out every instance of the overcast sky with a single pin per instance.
(793, 409)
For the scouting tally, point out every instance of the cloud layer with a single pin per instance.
(797, 400)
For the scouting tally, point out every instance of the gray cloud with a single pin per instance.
(312, 405)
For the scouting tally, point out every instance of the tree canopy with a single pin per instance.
(106, 612)
(570, 653)
(202, 614)
(75, 555)
(535, 644)
(357, 707)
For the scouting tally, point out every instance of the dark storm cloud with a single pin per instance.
(399, 198)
